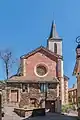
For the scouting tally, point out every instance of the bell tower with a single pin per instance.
(54, 44)
(54, 41)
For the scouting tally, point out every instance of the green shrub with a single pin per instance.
(66, 108)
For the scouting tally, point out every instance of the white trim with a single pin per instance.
(24, 67)
(41, 63)
(28, 87)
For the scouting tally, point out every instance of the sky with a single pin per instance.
(25, 25)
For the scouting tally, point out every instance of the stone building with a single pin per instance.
(41, 81)
(72, 95)
(76, 72)
(66, 89)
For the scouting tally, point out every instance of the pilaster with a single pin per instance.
(24, 67)
(61, 78)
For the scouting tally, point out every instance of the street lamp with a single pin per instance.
(0, 105)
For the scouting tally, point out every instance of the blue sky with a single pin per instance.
(25, 25)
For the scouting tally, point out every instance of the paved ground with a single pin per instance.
(51, 116)
(10, 115)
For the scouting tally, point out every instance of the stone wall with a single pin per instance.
(33, 97)
(66, 91)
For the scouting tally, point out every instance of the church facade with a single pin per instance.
(41, 81)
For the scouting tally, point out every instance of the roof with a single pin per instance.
(66, 77)
(25, 79)
(53, 33)
(37, 50)
(71, 89)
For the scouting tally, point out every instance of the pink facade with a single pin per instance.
(40, 58)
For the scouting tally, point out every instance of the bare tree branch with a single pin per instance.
(19, 68)
(6, 56)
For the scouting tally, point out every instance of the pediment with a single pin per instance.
(42, 50)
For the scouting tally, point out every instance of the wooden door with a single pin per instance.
(50, 105)
(14, 95)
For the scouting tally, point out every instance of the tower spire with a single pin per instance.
(53, 33)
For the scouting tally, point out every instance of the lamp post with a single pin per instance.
(78, 73)
(0, 106)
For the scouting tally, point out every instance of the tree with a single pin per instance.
(6, 56)
(19, 67)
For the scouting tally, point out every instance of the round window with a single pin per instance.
(41, 70)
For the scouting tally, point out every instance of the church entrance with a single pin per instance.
(50, 104)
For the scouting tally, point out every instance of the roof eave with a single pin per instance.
(36, 50)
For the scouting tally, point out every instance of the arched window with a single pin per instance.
(55, 48)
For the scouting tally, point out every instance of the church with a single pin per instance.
(41, 82)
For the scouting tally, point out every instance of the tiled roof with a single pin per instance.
(71, 89)
(25, 79)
